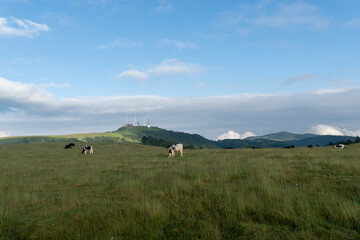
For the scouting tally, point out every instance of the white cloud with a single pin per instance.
(22, 92)
(248, 134)
(335, 90)
(133, 74)
(21, 28)
(234, 135)
(4, 134)
(354, 133)
(168, 67)
(325, 130)
(329, 90)
(172, 67)
(322, 129)
(120, 42)
(180, 44)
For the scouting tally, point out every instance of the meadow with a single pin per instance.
(132, 191)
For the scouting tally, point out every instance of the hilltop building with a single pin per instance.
(136, 123)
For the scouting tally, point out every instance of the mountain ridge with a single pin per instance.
(136, 133)
(283, 136)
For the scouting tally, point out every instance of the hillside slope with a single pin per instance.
(136, 133)
(81, 137)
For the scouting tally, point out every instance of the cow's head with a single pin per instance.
(171, 152)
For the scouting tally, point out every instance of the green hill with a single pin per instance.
(123, 134)
(136, 133)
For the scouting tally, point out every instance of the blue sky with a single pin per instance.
(208, 67)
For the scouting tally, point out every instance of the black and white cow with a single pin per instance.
(340, 146)
(291, 146)
(175, 148)
(69, 146)
(89, 149)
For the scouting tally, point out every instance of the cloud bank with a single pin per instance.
(234, 135)
(29, 109)
(4, 134)
(322, 129)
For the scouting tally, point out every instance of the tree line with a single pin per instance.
(347, 142)
(151, 141)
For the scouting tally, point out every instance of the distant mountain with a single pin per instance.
(283, 136)
(320, 140)
(282, 139)
(243, 143)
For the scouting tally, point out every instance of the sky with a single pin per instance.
(221, 69)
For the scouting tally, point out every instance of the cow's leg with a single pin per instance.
(181, 152)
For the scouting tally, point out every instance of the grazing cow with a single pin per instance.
(340, 146)
(175, 148)
(256, 147)
(291, 146)
(310, 146)
(89, 149)
(69, 146)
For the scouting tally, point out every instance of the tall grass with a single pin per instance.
(130, 191)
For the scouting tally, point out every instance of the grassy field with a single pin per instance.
(131, 191)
